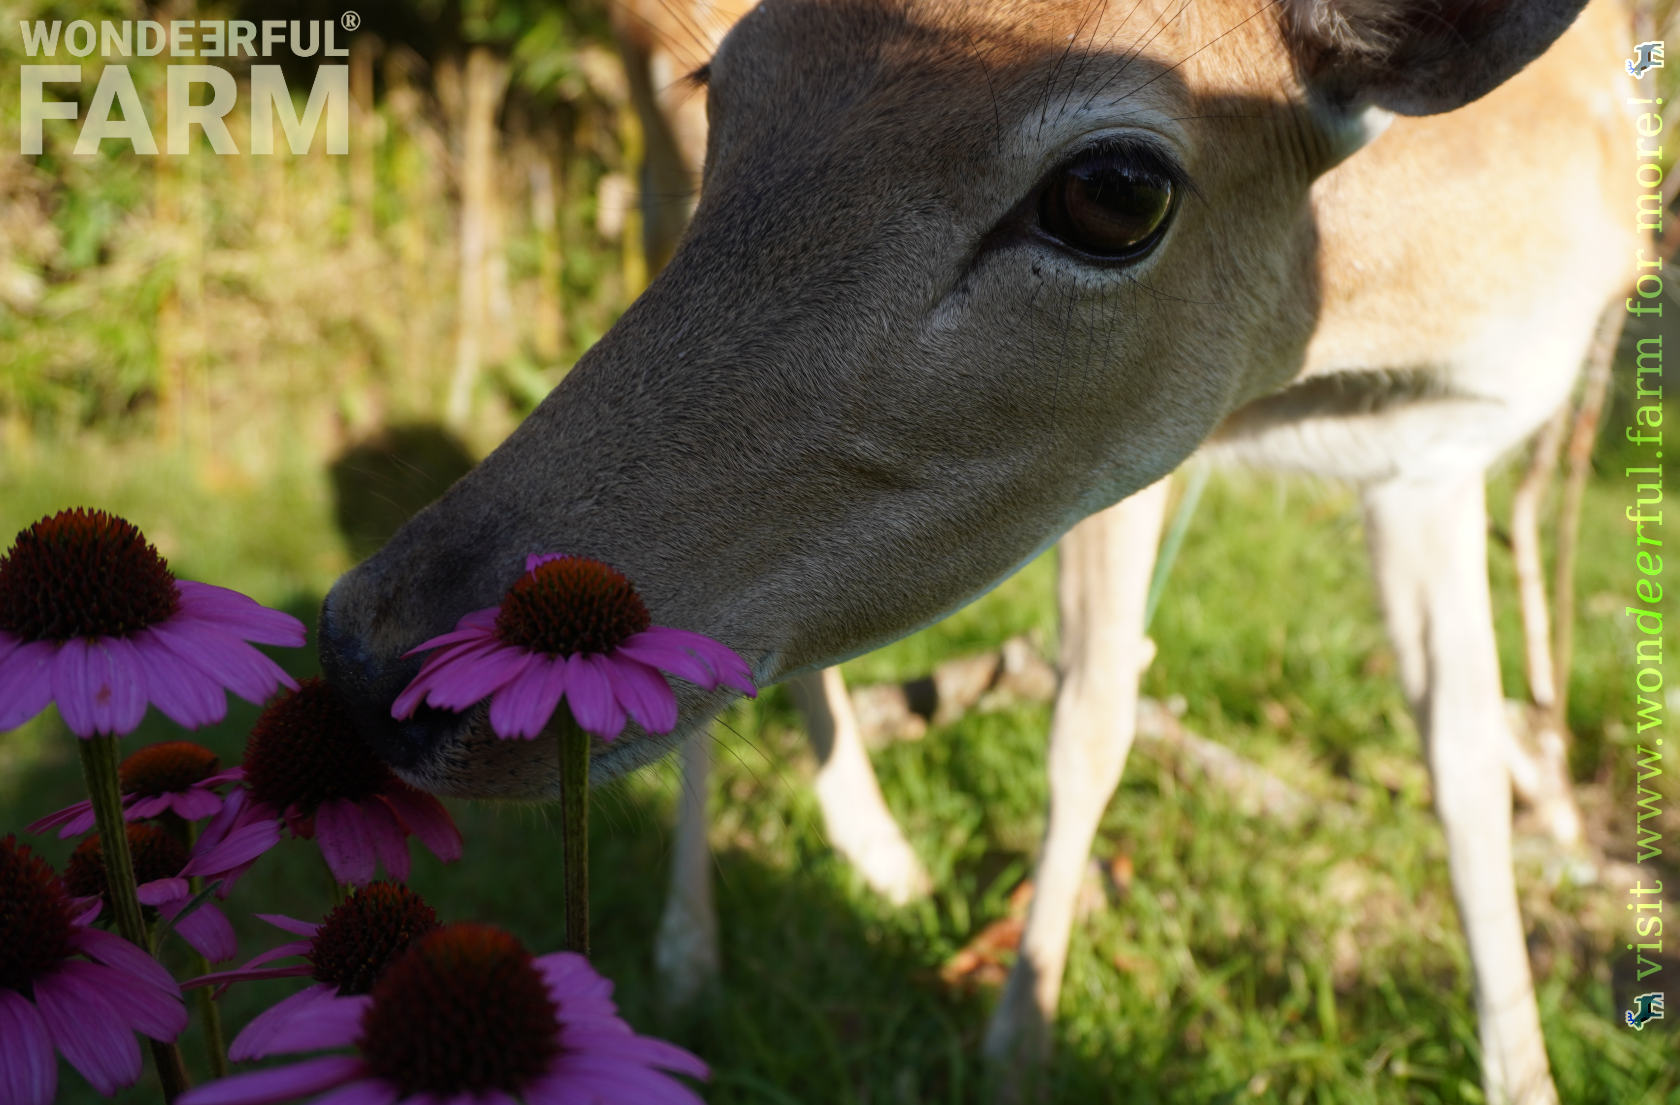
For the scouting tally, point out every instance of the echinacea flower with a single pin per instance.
(570, 628)
(175, 777)
(87, 1008)
(306, 764)
(346, 954)
(159, 857)
(91, 618)
(466, 1016)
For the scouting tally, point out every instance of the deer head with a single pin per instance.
(961, 274)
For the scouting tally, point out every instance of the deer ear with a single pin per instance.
(1417, 57)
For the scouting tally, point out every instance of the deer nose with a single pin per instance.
(369, 684)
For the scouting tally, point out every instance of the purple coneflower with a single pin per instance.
(91, 618)
(87, 1008)
(466, 1016)
(346, 954)
(159, 856)
(307, 765)
(570, 628)
(174, 777)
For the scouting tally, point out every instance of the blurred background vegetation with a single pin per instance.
(479, 235)
(268, 362)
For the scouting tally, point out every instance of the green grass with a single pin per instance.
(1249, 961)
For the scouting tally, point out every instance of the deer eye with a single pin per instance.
(1111, 203)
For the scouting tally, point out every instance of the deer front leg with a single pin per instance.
(1429, 550)
(859, 825)
(686, 949)
(1104, 583)
(856, 816)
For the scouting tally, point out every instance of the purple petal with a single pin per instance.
(370, 1091)
(341, 833)
(322, 1024)
(290, 924)
(114, 695)
(443, 678)
(386, 834)
(100, 681)
(536, 558)
(162, 891)
(249, 973)
(669, 657)
(239, 614)
(70, 687)
(28, 1071)
(568, 969)
(472, 627)
(26, 682)
(88, 1032)
(253, 968)
(731, 668)
(143, 1008)
(278, 1084)
(524, 705)
(409, 700)
(240, 847)
(194, 804)
(206, 929)
(621, 1084)
(114, 951)
(644, 694)
(146, 807)
(234, 664)
(253, 1041)
(589, 691)
(471, 676)
(128, 685)
(233, 814)
(69, 815)
(576, 986)
(426, 818)
(80, 824)
(641, 1049)
(188, 696)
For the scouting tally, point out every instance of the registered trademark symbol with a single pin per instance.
(350, 21)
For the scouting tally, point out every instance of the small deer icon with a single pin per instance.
(1646, 1007)
(1647, 56)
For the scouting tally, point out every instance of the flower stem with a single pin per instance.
(215, 1047)
(209, 1013)
(99, 770)
(574, 828)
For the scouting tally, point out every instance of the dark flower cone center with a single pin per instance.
(83, 573)
(34, 917)
(167, 767)
(305, 750)
(157, 855)
(463, 1011)
(364, 934)
(571, 605)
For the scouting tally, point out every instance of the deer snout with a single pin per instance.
(370, 681)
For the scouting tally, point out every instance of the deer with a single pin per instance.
(662, 42)
(966, 277)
